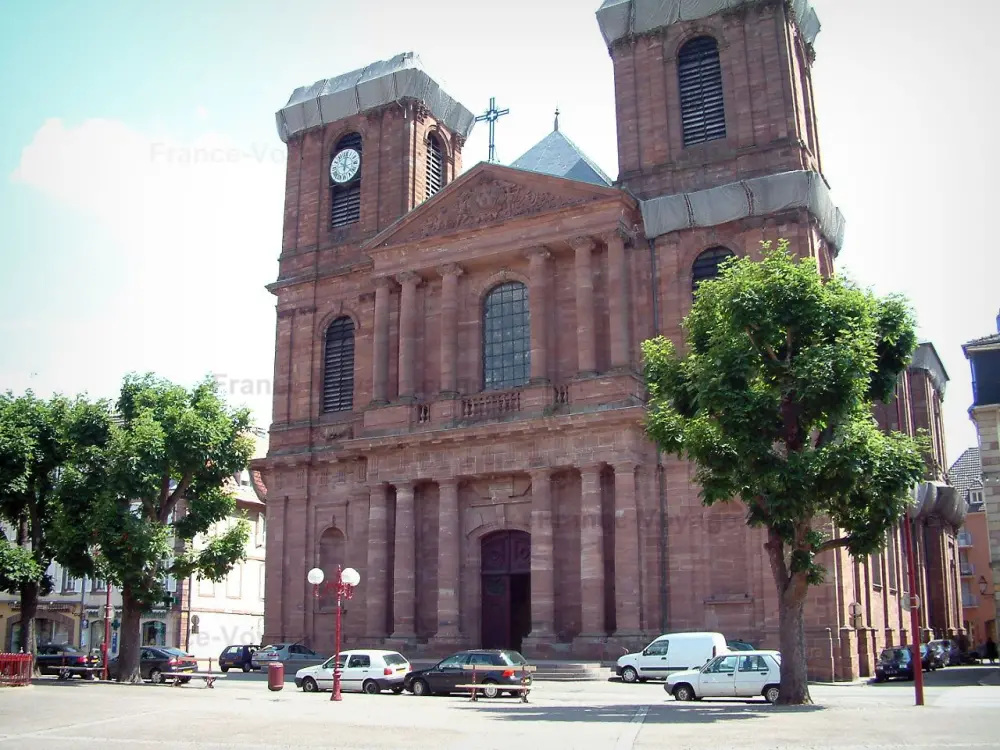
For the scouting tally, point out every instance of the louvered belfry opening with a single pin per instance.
(706, 265)
(338, 366)
(346, 199)
(435, 165)
(703, 112)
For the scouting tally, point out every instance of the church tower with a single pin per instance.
(364, 149)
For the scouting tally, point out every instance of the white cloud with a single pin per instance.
(197, 225)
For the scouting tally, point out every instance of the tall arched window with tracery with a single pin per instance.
(338, 366)
(435, 165)
(699, 72)
(345, 181)
(707, 265)
(506, 337)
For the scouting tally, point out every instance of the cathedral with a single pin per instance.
(458, 401)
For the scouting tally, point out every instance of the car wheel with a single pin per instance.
(156, 676)
(397, 690)
(309, 685)
(684, 693)
(246, 668)
(420, 688)
(225, 668)
(771, 693)
(370, 687)
(630, 675)
(491, 690)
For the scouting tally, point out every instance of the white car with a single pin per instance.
(745, 674)
(361, 670)
(671, 652)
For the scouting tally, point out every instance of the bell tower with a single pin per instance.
(364, 149)
(710, 92)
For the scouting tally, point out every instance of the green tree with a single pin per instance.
(42, 444)
(772, 401)
(170, 463)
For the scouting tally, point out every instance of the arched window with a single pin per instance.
(435, 165)
(345, 181)
(703, 113)
(338, 366)
(706, 265)
(506, 337)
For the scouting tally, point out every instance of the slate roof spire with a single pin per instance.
(558, 156)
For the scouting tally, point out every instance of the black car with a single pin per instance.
(157, 664)
(64, 660)
(497, 667)
(237, 657)
(897, 663)
(738, 645)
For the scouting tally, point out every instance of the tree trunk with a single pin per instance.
(794, 669)
(29, 610)
(129, 648)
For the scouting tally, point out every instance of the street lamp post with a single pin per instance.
(343, 586)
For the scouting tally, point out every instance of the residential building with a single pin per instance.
(458, 401)
(984, 358)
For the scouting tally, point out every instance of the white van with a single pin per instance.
(671, 652)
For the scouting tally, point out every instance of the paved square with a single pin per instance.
(241, 713)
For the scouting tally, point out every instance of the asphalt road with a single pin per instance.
(241, 713)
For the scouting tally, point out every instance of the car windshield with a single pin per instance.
(394, 660)
(894, 654)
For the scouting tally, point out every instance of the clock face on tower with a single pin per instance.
(345, 165)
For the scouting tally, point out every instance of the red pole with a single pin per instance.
(336, 659)
(107, 628)
(918, 670)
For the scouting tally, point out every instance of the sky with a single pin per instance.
(141, 175)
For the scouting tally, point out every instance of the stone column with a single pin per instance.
(538, 300)
(585, 341)
(543, 593)
(380, 345)
(627, 569)
(407, 333)
(618, 302)
(449, 559)
(591, 554)
(449, 328)
(376, 588)
(404, 574)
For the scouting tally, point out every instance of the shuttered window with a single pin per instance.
(703, 114)
(706, 265)
(338, 366)
(435, 165)
(346, 199)
(506, 337)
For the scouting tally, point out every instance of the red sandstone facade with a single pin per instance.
(538, 516)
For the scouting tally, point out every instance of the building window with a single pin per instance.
(206, 588)
(891, 547)
(69, 583)
(97, 585)
(875, 566)
(345, 201)
(338, 366)
(435, 165)
(154, 633)
(234, 582)
(506, 337)
(259, 530)
(703, 113)
(707, 265)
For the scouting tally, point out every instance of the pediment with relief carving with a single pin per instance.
(489, 196)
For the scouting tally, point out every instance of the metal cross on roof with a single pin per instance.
(491, 116)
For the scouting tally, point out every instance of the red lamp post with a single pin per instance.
(343, 586)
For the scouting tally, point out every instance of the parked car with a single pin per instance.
(499, 668)
(897, 662)
(53, 658)
(672, 652)
(936, 655)
(952, 651)
(237, 657)
(738, 645)
(157, 663)
(290, 654)
(361, 670)
(745, 674)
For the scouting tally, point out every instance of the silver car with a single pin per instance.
(293, 655)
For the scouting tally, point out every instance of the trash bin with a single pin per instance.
(275, 675)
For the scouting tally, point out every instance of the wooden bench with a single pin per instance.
(182, 678)
(475, 688)
(66, 672)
